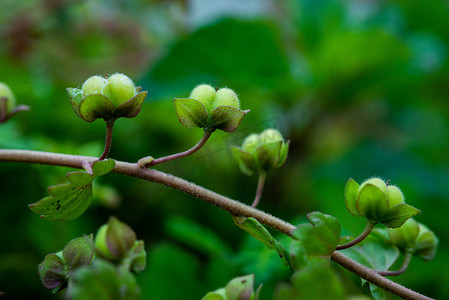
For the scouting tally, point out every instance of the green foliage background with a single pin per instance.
(360, 89)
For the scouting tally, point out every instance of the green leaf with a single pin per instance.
(226, 118)
(375, 251)
(78, 252)
(95, 106)
(245, 161)
(398, 214)
(138, 257)
(283, 154)
(315, 281)
(351, 189)
(130, 108)
(68, 201)
(52, 271)
(258, 231)
(197, 236)
(191, 113)
(268, 155)
(219, 294)
(321, 236)
(372, 203)
(102, 280)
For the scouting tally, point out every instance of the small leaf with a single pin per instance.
(351, 189)
(75, 97)
(398, 214)
(258, 231)
(321, 236)
(267, 155)
(219, 294)
(138, 257)
(78, 252)
(315, 281)
(375, 251)
(68, 201)
(191, 113)
(95, 106)
(226, 118)
(372, 203)
(245, 161)
(284, 153)
(130, 108)
(52, 271)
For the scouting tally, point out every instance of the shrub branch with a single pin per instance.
(232, 206)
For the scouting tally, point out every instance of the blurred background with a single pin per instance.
(359, 87)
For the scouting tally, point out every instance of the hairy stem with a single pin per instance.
(108, 139)
(149, 162)
(232, 206)
(373, 277)
(369, 227)
(259, 191)
(404, 266)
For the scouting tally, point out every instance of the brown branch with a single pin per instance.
(232, 206)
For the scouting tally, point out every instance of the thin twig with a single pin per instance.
(369, 227)
(232, 206)
(404, 266)
(152, 162)
(259, 191)
(108, 139)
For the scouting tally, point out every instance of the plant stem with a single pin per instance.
(259, 191)
(108, 139)
(232, 206)
(404, 266)
(369, 227)
(373, 277)
(144, 164)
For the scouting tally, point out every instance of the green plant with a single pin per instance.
(104, 266)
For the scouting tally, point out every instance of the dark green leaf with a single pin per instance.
(376, 251)
(191, 113)
(68, 201)
(226, 118)
(130, 108)
(138, 257)
(245, 161)
(398, 214)
(258, 231)
(196, 236)
(315, 281)
(96, 106)
(321, 236)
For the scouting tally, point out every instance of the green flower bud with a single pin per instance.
(270, 136)
(5, 92)
(114, 240)
(94, 85)
(415, 238)
(57, 268)
(205, 94)
(261, 152)
(426, 243)
(251, 143)
(226, 97)
(405, 236)
(119, 89)
(377, 202)
(106, 98)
